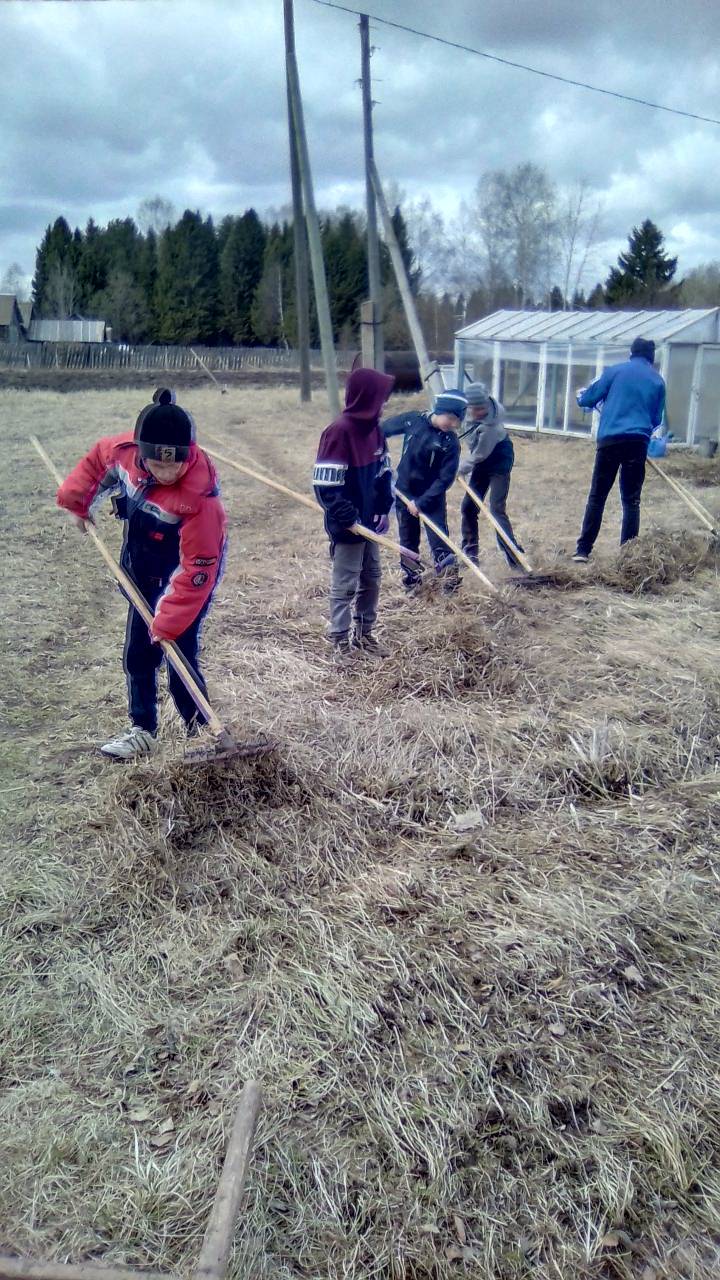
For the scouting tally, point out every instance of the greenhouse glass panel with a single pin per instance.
(481, 370)
(554, 406)
(581, 375)
(707, 420)
(679, 383)
(518, 391)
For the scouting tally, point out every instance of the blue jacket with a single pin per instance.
(429, 461)
(632, 395)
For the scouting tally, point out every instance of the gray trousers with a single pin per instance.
(354, 587)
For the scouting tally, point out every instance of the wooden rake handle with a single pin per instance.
(521, 559)
(452, 545)
(688, 498)
(172, 653)
(360, 529)
(217, 1243)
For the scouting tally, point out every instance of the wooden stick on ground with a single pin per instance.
(360, 529)
(27, 1269)
(209, 372)
(430, 524)
(518, 554)
(688, 498)
(217, 1243)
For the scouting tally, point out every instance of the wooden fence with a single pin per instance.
(106, 355)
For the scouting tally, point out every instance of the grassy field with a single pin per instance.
(464, 926)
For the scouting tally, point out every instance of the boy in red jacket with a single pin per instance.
(166, 490)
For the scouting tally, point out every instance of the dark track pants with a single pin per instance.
(498, 483)
(142, 660)
(627, 455)
(409, 527)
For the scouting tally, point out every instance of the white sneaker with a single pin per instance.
(131, 745)
(580, 557)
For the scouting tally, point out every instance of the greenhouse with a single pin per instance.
(535, 362)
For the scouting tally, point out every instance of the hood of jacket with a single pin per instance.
(366, 391)
(488, 433)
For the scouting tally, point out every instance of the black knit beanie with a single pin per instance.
(643, 347)
(164, 432)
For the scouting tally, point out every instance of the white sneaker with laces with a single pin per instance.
(131, 745)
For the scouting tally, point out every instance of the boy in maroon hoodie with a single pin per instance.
(166, 491)
(352, 481)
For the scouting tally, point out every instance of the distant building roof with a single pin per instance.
(67, 331)
(611, 328)
(9, 312)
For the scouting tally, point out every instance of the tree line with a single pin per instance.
(519, 243)
(182, 281)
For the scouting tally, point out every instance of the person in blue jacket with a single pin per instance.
(428, 466)
(632, 395)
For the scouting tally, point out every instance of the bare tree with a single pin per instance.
(15, 281)
(155, 213)
(578, 228)
(517, 217)
(61, 291)
(429, 241)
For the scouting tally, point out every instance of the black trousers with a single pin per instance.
(624, 454)
(142, 660)
(498, 482)
(409, 529)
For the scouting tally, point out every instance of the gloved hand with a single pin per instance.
(381, 524)
(466, 468)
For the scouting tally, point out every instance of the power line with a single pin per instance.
(520, 66)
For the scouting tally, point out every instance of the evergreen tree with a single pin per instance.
(596, 299)
(644, 271)
(557, 302)
(147, 280)
(273, 316)
(55, 262)
(186, 291)
(345, 256)
(92, 273)
(579, 301)
(241, 266)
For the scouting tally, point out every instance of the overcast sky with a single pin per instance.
(106, 102)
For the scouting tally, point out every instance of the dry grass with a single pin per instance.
(463, 925)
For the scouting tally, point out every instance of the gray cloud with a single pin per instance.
(106, 103)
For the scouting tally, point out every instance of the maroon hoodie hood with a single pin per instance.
(366, 391)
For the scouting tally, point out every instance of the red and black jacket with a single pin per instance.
(174, 534)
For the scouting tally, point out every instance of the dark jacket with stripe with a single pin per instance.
(429, 461)
(352, 477)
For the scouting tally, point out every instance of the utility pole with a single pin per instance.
(429, 370)
(373, 245)
(313, 227)
(302, 305)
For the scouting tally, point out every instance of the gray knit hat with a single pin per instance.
(451, 401)
(477, 393)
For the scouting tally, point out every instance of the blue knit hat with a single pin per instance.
(451, 401)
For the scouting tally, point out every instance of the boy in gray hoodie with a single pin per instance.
(488, 465)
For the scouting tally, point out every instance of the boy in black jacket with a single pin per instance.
(428, 466)
(352, 481)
